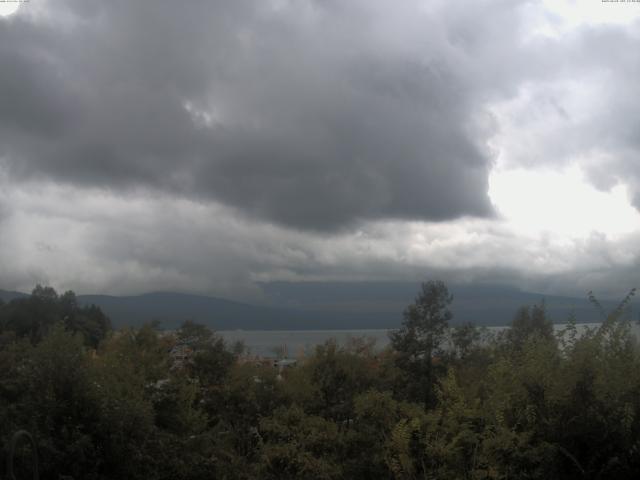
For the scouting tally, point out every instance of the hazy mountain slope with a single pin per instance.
(7, 296)
(173, 308)
(484, 305)
(319, 305)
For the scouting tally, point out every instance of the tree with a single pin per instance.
(210, 358)
(529, 322)
(337, 375)
(59, 406)
(420, 339)
(297, 445)
(464, 338)
(194, 334)
(34, 316)
(90, 321)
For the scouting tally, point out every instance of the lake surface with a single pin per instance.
(270, 343)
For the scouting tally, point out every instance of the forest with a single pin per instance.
(443, 401)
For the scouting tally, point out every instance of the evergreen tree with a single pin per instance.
(420, 339)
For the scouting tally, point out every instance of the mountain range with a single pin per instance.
(328, 305)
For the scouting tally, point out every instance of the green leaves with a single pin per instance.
(526, 405)
(297, 445)
(420, 339)
(35, 316)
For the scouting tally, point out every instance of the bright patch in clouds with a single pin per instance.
(560, 16)
(560, 202)
(7, 8)
(576, 12)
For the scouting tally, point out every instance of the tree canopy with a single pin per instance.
(437, 403)
(420, 339)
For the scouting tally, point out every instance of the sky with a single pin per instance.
(150, 146)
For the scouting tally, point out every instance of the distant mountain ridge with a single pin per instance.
(327, 305)
(7, 296)
(481, 304)
(171, 309)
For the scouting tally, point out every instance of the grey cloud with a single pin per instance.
(93, 240)
(312, 114)
(584, 109)
(4, 211)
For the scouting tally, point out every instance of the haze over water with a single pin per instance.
(270, 343)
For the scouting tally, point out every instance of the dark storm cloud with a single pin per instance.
(312, 114)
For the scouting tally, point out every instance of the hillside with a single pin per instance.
(317, 305)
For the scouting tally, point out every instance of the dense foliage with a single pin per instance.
(140, 404)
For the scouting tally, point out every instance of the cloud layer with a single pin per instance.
(145, 145)
(312, 114)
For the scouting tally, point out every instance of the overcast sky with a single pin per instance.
(205, 147)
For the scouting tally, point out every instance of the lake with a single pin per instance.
(269, 343)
